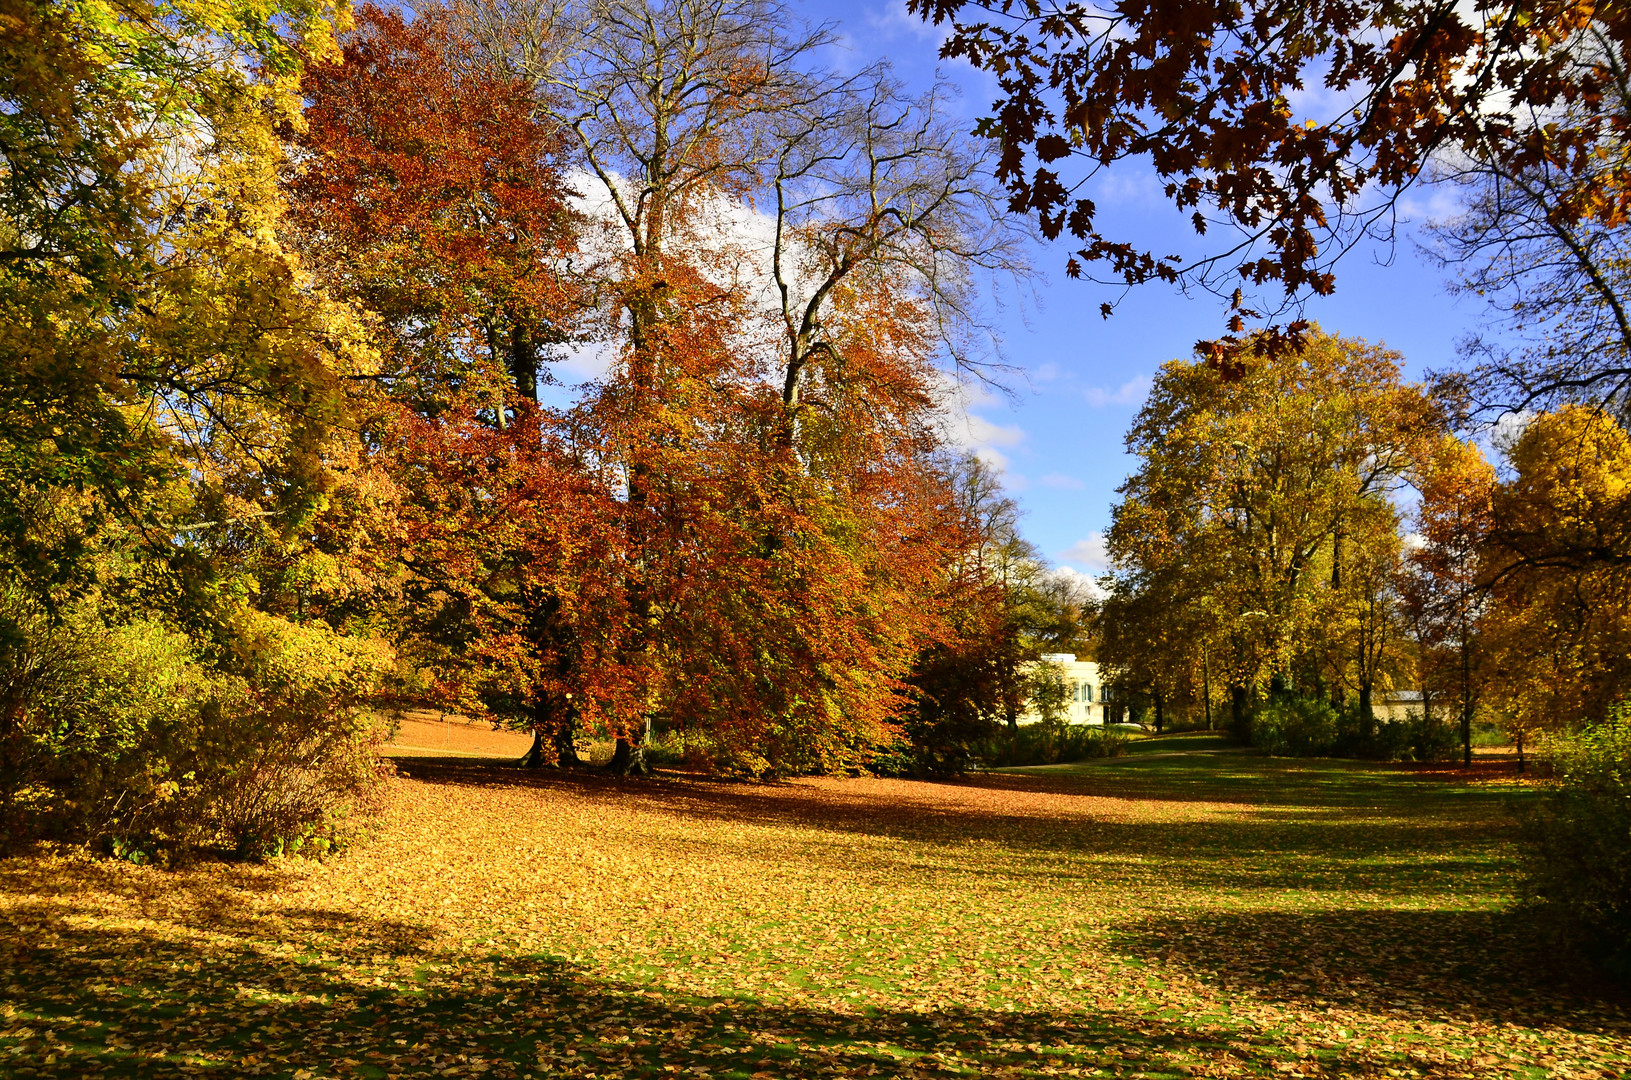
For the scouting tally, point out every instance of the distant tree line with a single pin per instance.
(1307, 533)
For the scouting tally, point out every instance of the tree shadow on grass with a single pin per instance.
(155, 999)
(1447, 965)
(1320, 848)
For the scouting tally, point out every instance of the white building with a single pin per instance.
(1086, 696)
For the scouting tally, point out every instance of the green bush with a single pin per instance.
(123, 734)
(1046, 743)
(1577, 845)
(1295, 726)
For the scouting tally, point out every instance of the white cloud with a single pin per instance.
(1131, 392)
(1061, 482)
(1088, 552)
(982, 432)
(1443, 202)
(1508, 429)
(993, 457)
(892, 21)
(1086, 584)
(586, 362)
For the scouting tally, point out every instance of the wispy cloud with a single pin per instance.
(1061, 482)
(1508, 429)
(1088, 552)
(1085, 584)
(1131, 392)
(891, 21)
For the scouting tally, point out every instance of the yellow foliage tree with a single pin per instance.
(1557, 562)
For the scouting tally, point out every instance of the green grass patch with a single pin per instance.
(1173, 913)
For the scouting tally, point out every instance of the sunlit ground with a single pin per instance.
(1189, 913)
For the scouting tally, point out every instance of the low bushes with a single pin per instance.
(1293, 725)
(1577, 845)
(126, 735)
(1052, 743)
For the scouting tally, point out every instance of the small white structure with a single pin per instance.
(1399, 704)
(1086, 696)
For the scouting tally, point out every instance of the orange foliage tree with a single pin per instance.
(742, 532)
(1555, 558)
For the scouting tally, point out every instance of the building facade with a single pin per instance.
(1087, 698)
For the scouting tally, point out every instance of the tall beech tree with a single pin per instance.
(766, 454)
(427, 190)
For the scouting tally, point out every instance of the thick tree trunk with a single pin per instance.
(523, 360)
(556, 727)
(1237, 707)
(629, 756)
(1367, 714)
(1158, 714)
(566, 746)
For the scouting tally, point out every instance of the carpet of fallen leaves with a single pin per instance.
(1169, 915)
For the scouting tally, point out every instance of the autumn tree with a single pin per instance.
(980, 668)
(184, 504)
(1251, 502)
(1366, 631)
(1553, 557)
(145, 310)
(1157, 640)
(1543, 240)
(429, 191)
(1444, 587)
(775, 462)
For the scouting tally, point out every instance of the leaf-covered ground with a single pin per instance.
(1165, 914)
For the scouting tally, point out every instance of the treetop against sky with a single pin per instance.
(1081, 378)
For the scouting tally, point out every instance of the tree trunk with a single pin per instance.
(559, 725)
(1158, 714)
(629, 756)
(1206, 685)
(523, 360)
(1466, 704)
(1521, 763)
(534, 758)
(1367, 714)
(566, 745)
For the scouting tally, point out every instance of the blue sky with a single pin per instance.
(1059, 438)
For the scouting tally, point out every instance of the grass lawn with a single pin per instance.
(1158, 915)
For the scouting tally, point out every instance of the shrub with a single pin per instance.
(123, 734)
(1294, 726)
(1052, 743)
(1577, 844)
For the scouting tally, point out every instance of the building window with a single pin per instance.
(1087, 691)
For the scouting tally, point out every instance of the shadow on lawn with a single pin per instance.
(1448, 965)
(1411, 844)
(148, 999)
